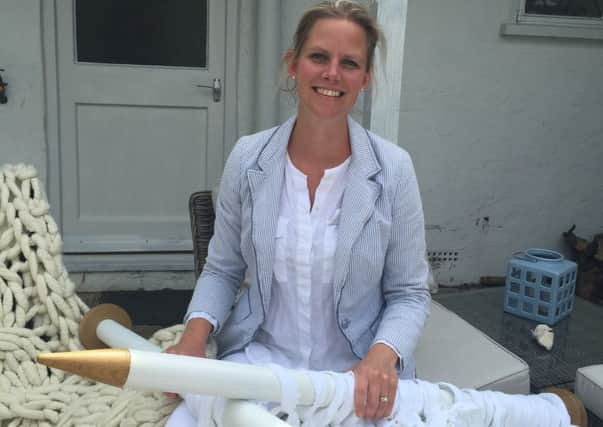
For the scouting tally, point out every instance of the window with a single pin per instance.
(142, 32)
(581, 8)
(557, 18)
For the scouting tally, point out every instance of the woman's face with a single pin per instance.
(331, 68)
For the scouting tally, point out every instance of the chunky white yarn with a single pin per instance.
(40, 312)
(418, 404)
(424, 404)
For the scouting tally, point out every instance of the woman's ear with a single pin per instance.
(367, 79)
(291, 62)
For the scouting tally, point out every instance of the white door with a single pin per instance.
(137, 133)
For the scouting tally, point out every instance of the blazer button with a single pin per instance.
(345, 323)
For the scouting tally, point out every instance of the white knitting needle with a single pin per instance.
(116, 336)
(157, 371)
(109, 325)
(98, 327)
(154, 371)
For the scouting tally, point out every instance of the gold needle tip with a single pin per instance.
(109, 366)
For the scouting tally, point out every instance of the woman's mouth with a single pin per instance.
(328, 92)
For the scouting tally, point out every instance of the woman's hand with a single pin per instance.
(376, 382)
(192, 342)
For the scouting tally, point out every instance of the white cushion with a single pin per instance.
(589, 388)
(452, 350)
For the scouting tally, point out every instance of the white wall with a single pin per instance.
(508, 129)
(22, 137)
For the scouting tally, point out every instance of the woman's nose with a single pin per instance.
(332, 71)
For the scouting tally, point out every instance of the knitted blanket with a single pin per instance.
(40, 312)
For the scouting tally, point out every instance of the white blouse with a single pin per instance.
(300, 329)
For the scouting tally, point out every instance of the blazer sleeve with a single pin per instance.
(404, 280)
(224, 269)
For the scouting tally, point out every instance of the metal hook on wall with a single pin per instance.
(3, 85)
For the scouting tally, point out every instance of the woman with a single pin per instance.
(324, 219)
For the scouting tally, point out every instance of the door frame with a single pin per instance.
(385, 110)
(123, 262)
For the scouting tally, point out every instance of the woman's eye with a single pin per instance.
(350, 64)
(318, 57)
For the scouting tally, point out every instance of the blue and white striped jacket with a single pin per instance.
(380, 276)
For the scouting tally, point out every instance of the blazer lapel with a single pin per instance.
(358, 200)
(265, 184)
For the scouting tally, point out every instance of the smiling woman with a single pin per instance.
(325, 221)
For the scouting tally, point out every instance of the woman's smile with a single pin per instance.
(331, 93)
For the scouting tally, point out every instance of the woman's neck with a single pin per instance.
(319, 145)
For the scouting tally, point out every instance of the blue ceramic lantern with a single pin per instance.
(540, 285)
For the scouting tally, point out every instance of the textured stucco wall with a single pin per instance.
(506, 135)
(22, 138)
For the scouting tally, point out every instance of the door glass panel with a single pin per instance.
(142, 32)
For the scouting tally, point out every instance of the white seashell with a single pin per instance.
(544, 335)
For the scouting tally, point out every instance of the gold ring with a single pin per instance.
(383, 399)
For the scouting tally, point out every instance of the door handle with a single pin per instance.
(216, 89)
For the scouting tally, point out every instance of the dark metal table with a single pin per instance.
(578, 338)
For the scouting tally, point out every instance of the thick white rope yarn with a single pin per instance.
(423, 404)
(40, 312)
(418, 404)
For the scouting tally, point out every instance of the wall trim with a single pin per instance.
(551, 31)
(387, 91)
(51, 105)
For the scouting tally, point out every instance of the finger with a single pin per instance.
(171, 350)
(383, 400)
(374, 393)
(172, 396)
(360, 389)
(393, 387)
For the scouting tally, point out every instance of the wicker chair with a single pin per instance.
(201, 211)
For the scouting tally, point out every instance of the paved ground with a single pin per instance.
(149, 310)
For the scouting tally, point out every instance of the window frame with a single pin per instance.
(529, 24)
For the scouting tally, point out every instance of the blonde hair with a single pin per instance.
(340, 9)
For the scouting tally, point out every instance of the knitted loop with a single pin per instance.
(40, 312)
(289, 394)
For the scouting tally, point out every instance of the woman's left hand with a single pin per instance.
(376, 382)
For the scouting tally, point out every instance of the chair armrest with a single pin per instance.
(202, 216)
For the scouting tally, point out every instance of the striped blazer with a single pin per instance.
(380, 272)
